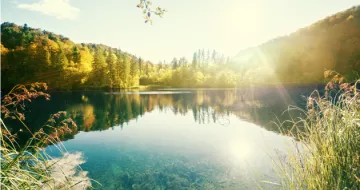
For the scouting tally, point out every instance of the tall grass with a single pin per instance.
(327, 154)
(29, 166)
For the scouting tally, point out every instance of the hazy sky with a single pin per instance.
(225, 25)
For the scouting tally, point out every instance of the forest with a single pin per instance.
(29, 55)
(276, 114)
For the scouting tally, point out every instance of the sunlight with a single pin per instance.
(184, 94)
(240, 150)
(268, 64)
(243, 22)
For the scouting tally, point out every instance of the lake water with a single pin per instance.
(176, 138)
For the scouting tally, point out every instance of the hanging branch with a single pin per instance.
(148, 11)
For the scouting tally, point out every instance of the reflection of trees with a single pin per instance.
(259, 106)
(84, 115)
(96, 111)
(100, 112)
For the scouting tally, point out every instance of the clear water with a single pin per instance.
(174, 139)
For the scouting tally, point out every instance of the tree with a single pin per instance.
(199, 57)
(182, 62)
(147, 67)
(134, 72)
(140, 65)
(99, 71)
(213, 57)
(125, 66)
(174, 63)
(111, 66)
(208, 57)
(59, 59)
(195, 61)
(86, 60)
(228, 60)
(76, 55)
(222, 60)
(202, 57)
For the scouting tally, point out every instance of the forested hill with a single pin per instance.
(301, 57)
(29, 55)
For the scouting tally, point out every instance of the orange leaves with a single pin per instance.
(15, 100)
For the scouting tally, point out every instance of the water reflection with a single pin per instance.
(167, 151)
(259, 106)
(97, 111)
(200, 139)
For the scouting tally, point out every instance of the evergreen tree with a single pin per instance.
(99, 71)
(134, 72)
(182, 62)
(59, 60)
(199, 58)
(202, 57)
(111, 67)
(208, 57)
(140, 65)
(76, 55)
(228, 60)
(222, 60)
(195, 61)
(125, 66)
(213, 57)
(174, 63)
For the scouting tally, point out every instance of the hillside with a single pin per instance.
(29, 55)
(301, 57)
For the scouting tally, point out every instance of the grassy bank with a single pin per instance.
(328, 152)
(29, 166)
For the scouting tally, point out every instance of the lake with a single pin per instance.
(176, 138)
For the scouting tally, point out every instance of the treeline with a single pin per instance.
(302, 57)
(299, 58)
(29, 55)
(205, 70)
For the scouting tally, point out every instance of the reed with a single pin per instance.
(327, 152)
(29, 166)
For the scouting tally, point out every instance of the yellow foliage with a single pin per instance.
(3, 50)
(53, 46)
(350, 17)
(86, 61)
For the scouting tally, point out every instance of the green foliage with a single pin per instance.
(125, 66)
(204, 71)
(134, 72)
(29, 55)
(302, 57)
(147, 10)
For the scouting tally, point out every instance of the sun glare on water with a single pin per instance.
(240, 151)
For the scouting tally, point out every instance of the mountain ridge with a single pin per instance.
(329, 43)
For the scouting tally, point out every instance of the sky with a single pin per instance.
(228, 26)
